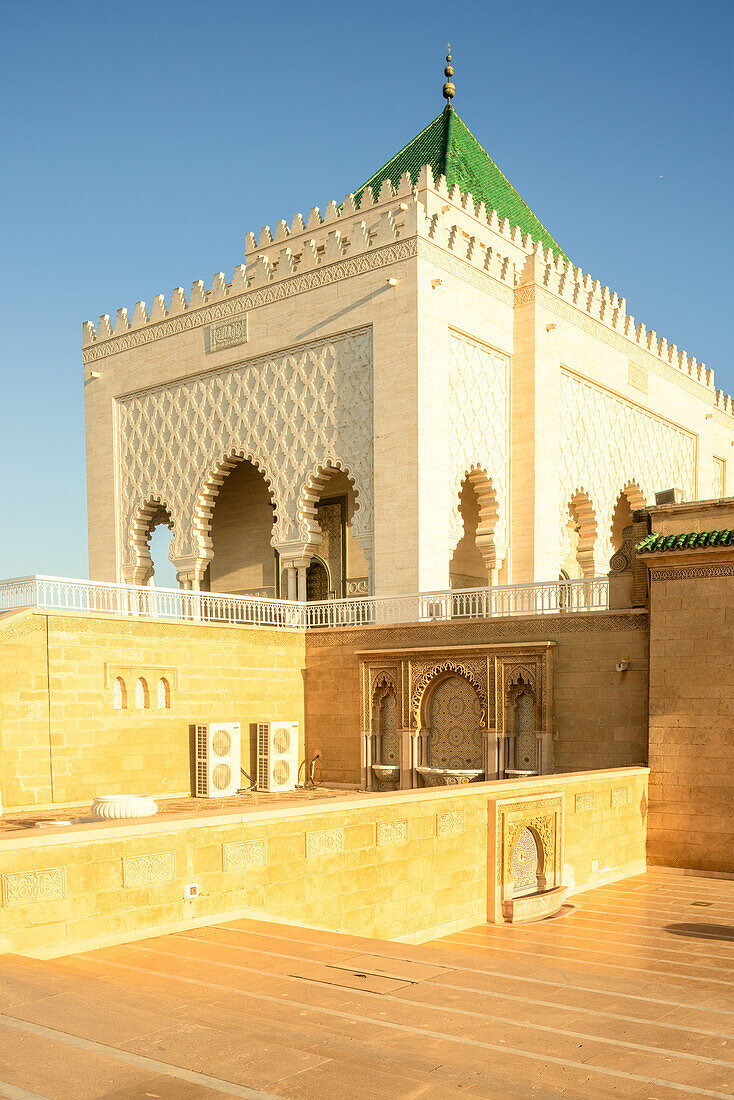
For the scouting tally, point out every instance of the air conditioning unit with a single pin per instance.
(277, 756)
(217, 759)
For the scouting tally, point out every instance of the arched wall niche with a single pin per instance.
(452, 714)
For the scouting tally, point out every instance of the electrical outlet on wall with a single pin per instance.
(191, 891)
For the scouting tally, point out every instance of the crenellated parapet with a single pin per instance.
(308, 250)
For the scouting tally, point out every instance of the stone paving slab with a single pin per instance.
(631, 994)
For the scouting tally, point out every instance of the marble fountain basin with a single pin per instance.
(387, 773)
(450, 777)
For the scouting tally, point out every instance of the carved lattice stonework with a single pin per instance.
(610, 442)
(149, 869)
(478, 424)
(324, 843)
(391, 832)
(584, 802)
(285, 413)
(453, 821)
(244, 853)
(44, 884)
(619, 797)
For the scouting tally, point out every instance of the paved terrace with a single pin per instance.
(629, 995)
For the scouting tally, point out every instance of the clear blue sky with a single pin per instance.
(142, 141)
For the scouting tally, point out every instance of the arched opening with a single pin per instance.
(628, 501)
(579, 538)
(151, 536)
(328, 506)
(318, 581)
(467, 568)
(161, 539)
(477, 560)
(527, 863)
(243, 561)
(454, 715)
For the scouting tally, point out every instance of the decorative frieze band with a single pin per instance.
(691, 572)
(324, 842)
(149, 869)
(451, 822)
(615, 340)
(44, 884)
(244, 853)
(391, 832)
(265, 295)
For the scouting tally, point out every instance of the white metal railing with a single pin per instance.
(61, 594)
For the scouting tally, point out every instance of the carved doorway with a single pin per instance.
(317, 581)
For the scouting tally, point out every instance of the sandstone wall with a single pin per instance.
(600, 715)
(692, 716)
(408, 865)
(62, 741)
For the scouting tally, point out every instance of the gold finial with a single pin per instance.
(449, 91)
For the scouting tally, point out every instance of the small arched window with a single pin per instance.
(164, 694)
(119, 694)
(142, 699)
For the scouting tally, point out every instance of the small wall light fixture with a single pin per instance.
(392, 282)
(622, 666)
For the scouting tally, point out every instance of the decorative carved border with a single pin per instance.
(149, 869)
(324, 842)
(690, 572)
(454, 265)
(44, 884)
(476, 633)
(450, 823)
(614, 339)
(251, 299)
(391, 832)
(244, 853)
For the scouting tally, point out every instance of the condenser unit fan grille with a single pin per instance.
(221, 777)
(221, 743)
(281, 740)
(281, 772)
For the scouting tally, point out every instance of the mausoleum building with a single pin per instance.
(412, 390)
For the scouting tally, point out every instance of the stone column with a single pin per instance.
(292, 583)
(302, 583)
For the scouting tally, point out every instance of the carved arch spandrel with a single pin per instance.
(428, 675)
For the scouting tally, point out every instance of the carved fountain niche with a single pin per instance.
(455, 715)
(525, 858)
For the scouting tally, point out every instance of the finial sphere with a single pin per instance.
(449, 89)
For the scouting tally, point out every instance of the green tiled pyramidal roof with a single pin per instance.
(689, 540)
(451, 149)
